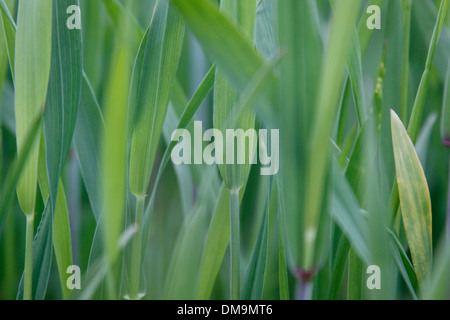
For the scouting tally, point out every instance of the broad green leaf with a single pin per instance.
(18, 165)
(424, 15)
(63, 94)
(153, 74)
(186, 118)
(222, 40)
(254, 279)
(90, 124)
(114, 150)
(183, 268)
(32, 67)
(299, 73)
(61, 239)
(338, 269)
(60, 232)
(225, 97)
(415, 200)
(405, 266)
(365, 34)
(354, 65)
(215, 245)
(340, 40)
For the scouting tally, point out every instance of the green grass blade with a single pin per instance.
(63, 94)
(299, 73)
(60, 233)
(338, 269)
(415, 200)
(153, 74)
(61, 239)
(342, 29)
(114, 149)
(424, 15)
(216, 243)
(90, 124)
(419, 103)
(17, 167)
(365, 34)
(355, 277)
(345, 210)
(32, 67)
(405, 266)
(9, 30)
(222, 40)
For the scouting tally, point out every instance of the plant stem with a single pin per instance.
(235, 244)
(28, 280)
(303, 290)
(136, 251)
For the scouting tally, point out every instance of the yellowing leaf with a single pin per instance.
(415, 200)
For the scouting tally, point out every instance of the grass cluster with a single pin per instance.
(86, 121)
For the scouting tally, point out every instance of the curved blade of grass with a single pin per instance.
(63, 94)
(114, 150)
(406, 6)
(254, 279)
(153, 74)
(338, 269)
(88, 128)
(345, 210)
(60, 233)
(415, 200)
(299, 73)
(405, 266)
(100, 267)
(9, 30)
(235, 175)
(61, 239)
(218, 235)
(225, 97)
(342, 29)
(424, 15)
(354, 66)
(216, 243)
(42, 257)
(183, 268)
(32, 67)
(16, 168)
(222, 40)
(419, 103)
(186, 118)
